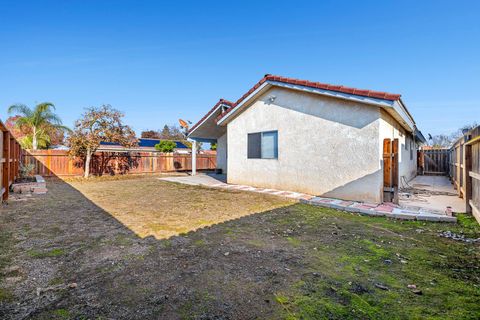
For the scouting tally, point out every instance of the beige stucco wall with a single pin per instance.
(391, 129)
(222, 153)
(326, 146)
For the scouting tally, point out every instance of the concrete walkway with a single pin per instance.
(371, 209)
(203, 179)
(434, 193)
(219, 181)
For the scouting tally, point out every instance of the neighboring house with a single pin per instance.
(144, 145)
(310, 137)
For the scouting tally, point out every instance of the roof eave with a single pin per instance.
(211, 113)
(334, 94)
(230, 114)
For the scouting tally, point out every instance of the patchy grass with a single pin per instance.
(294, 241)
(6, 247)
(149, 206)
(61, 313)
(46, 254)
(6, 295)
(347, 276)
(146, 249)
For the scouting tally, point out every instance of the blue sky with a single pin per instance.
(158, 62)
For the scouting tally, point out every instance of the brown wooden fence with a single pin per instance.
(433, 161)
(58, 163)
(464, 169)
(10, 153)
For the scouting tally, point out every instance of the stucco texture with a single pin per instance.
(326, 146)
(222, 153)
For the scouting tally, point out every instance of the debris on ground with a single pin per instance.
(58, 287)
(457, 237)
(381, 286)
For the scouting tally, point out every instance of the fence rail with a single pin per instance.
(58, 163)
(464, 169)
(10, 153)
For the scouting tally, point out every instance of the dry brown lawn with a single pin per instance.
(151, 207)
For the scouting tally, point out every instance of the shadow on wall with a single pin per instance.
(359, 190)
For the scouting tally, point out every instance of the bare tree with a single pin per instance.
(445, 141)
(102, 124)
(150, 134)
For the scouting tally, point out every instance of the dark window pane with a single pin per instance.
(254, 143)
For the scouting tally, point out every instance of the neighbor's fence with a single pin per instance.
(464, 169)
(58, 163)
(10, 153)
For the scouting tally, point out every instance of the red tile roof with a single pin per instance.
(337, 88)
(306, 83)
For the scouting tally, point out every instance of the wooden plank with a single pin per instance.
(54, 162)
(395, 170)
(467, 193)
(435, 161)
(6, 165)
(475, 211)
(387, 163)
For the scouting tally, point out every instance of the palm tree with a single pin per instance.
(40, 120)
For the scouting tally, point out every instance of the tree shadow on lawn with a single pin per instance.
(292, 262)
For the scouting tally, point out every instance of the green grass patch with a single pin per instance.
(358, 256)
(55, 281)
(6, 295)
(294, 241)
(61, 313)
(46, 254)
(259, 243)
(199, 243)
(166, 243)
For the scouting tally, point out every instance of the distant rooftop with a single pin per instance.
(148, 143)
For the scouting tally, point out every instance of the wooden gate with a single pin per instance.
(390, 170)
(433, 161)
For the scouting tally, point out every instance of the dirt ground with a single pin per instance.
(141, 248)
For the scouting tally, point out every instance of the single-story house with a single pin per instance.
(311, 137)
(144, 145)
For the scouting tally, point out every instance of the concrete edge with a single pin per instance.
(373, 213)
(39, 178)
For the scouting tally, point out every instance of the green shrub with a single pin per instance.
(165, 146)
(26, 170)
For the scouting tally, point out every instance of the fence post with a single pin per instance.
(6, 165)
(467, 179)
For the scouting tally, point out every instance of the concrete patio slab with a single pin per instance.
(431, 193)
(209, 180)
